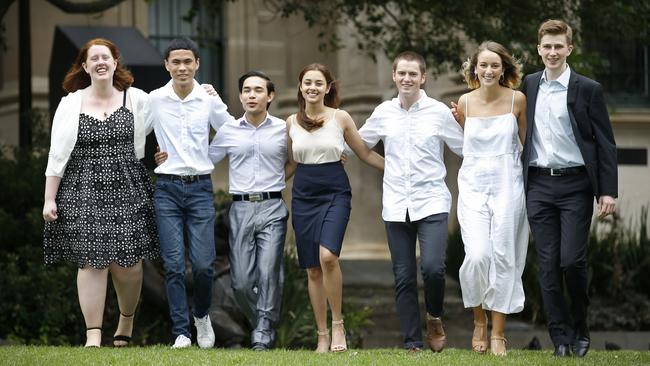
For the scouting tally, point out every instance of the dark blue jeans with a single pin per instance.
(186, 208)
(432, 234)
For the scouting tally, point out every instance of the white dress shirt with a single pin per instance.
(182, 128)
(257, 155)
(414, 174)
(554, 145)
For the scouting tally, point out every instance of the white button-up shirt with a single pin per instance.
(414, 174)
(257, 155)
(182, 128)
(554, 145)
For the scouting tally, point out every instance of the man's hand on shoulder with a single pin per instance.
(210, 90)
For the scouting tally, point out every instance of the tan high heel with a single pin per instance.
(479, 338)
(339, 347)
(323, 344)
(498, 346)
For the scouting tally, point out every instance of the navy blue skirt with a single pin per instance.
(320, 210)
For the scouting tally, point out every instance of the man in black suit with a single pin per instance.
(569, 157)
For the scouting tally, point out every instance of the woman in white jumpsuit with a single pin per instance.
(491, 202)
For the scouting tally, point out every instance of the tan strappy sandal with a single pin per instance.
(498, 346)
(323, 344)
(339, 347)
(480, 338)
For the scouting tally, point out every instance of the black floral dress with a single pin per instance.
(105, 199)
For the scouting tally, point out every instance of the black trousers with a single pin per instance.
(559, 213)
(431, 231)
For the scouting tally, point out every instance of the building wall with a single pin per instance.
(632, 130)
(44, 18)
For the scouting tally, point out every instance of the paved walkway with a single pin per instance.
(370, 282)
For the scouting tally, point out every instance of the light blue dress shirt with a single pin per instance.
(257, 155)
(554, 145)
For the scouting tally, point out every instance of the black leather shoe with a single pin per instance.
(580, 345)
(259, 347)
(562, 350)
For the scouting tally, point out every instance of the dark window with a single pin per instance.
(632, 156)
(624, 73)
(166, 23)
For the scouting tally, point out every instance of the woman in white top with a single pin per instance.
(491, 201)
(320, 205)
(98, 205)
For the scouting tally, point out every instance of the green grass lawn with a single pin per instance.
(162, 355)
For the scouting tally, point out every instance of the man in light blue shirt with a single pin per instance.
(569, 158)
(256, 146)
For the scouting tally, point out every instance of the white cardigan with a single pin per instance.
(65, 128)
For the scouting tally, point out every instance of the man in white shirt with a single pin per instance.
(256, 146)
(181, 114)
(569, 158)
(416, 201)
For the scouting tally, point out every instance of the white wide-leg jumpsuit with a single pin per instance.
(492, 214)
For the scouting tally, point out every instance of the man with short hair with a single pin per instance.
(416, 201)
(569, 157)
(256, 146)
(181, 113)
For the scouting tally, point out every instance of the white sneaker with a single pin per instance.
(182, 342)
(204, 332)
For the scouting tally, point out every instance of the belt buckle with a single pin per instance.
(554, 174)
(254, 197)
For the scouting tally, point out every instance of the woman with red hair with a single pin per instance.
(98, 205)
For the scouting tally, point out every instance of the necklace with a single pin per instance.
(107, 104)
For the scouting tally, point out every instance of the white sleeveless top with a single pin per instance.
(323, 145)
(491, 136)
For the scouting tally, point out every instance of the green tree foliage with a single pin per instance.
(440, 29)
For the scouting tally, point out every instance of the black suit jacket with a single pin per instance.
(591, 128)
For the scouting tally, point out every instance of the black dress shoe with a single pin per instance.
(580, 345)
(259, 347)
(562, 350)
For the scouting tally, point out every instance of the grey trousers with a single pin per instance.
(256, 237)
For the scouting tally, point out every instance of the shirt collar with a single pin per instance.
(197, 91)
(243, 121)
(422, 101)
(563, 79)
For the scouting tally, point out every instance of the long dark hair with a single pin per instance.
(77, 78)
(331, 98)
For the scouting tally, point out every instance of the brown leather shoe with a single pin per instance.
(435, 334)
